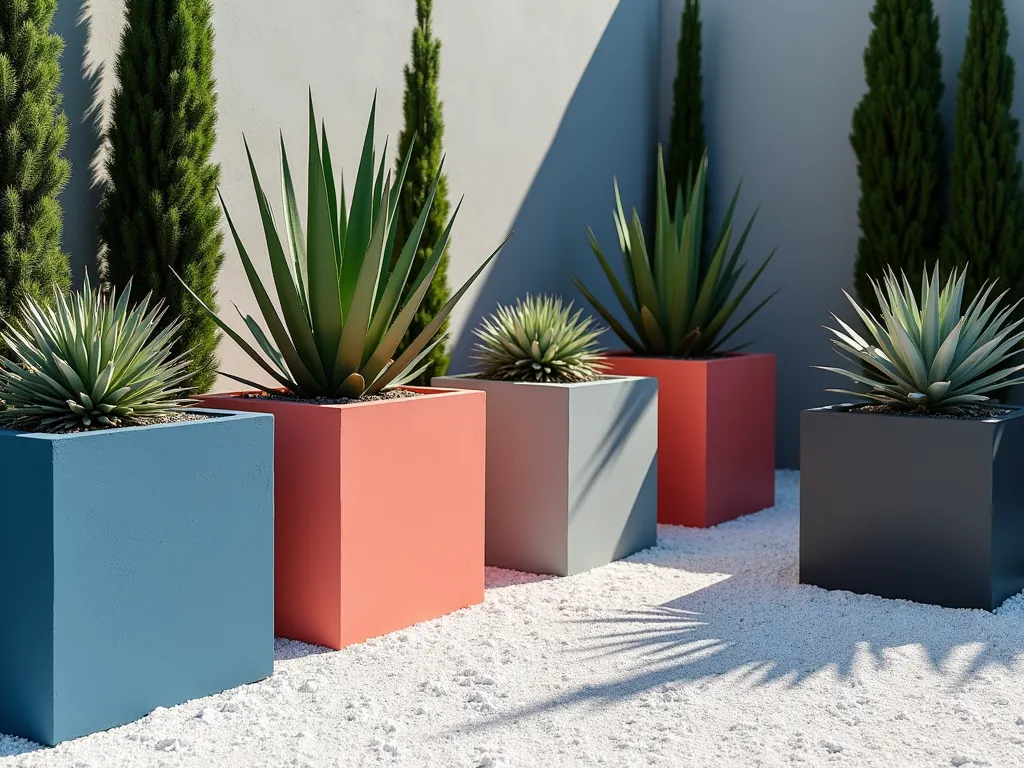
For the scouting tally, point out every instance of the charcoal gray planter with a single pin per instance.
(571, 471)
(924, 509)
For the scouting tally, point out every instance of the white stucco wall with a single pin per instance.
(544, 100)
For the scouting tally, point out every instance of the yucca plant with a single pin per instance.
(929, 356)
(90, 361)
(538, 340)
(341, 319)
(679, 302)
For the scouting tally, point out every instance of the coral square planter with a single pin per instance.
(924, 509)
(716, 434)
(136, 567)
(379, 512)
(571, 471)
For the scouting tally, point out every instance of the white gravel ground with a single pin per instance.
(701, 652)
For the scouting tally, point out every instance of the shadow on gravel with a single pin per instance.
(757, 626)
(759, 631)
(12, 746)
(498, 578)
(285, 649)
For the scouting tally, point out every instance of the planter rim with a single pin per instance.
(426, 393)
(216, 414)
(603, 381)
(716, 360)
(1017, 412)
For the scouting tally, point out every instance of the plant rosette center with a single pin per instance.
(538, 340)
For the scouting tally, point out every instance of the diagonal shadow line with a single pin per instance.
(598, 137)
(629, 412)
(740, 619)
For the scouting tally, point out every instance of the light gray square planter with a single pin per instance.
(571, 471)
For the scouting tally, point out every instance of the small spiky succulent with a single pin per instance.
(88, 362)
(538, 340)
(930, 357)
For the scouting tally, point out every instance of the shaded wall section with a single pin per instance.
(82, 88)
(781, 80)
(543, 101)
(608, 129)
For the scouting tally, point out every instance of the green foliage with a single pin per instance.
(930, 356)
(986, 226)
(687, 143)
(160, 212)
(538, 340)
(90, 362)
(898, 139)
(341, 314)
(424, 123)
(678, 302)
(33, 171)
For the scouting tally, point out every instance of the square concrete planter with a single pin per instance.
(924, 509)
(716, 434)
(136, 567)
(379, 512)
(571, 471)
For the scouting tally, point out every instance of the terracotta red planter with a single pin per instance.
(716, 434)
(379, 512)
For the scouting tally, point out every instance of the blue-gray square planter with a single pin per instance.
(572, 471)
(136, 570)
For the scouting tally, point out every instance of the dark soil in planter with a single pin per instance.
(387, 394)
(172, 417)
(967, 412)
(691, 358)
(484, 377)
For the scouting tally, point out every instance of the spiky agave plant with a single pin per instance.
(679, 301)
(90, 361)
(341, 319)
(928, 356)
(538, 340)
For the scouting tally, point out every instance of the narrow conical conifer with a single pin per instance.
(898, 139)
(160, 211)
(33, 170)
(423, 120)
(986, 220)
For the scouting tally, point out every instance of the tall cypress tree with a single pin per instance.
(160, 209)
(687, 141)
(33, 171)
(423, 119)
(986, 226)
(898, 139)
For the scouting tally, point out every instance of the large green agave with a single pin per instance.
(538, 340)
(679, 301)
(341, 317)
(90, 361)
(929, 356)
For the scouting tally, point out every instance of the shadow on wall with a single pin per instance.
(608, 129)
(82, 89)
(779, 103)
